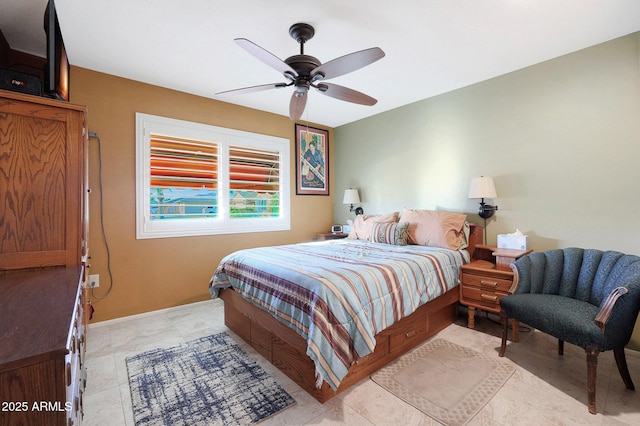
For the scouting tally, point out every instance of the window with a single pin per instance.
(196, 179)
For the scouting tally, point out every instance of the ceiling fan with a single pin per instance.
(304, 71)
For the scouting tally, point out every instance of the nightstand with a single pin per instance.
(331, 236)
(486, 279)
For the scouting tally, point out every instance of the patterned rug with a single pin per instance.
(445, 381)
(208, 381)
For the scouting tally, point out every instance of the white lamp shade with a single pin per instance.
(351, 196)
(482, 187)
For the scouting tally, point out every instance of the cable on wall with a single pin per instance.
(94, 135)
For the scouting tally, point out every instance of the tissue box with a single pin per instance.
(509, 241)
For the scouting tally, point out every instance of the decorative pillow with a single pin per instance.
(390, 233)
(361, 229)
(466, 232)
(434, 228)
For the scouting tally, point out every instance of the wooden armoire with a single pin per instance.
(43, 250)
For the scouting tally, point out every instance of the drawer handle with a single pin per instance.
(68, 373)
(410, 334)
(493, 284)
(491, 297)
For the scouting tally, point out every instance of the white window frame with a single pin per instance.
(145, 228)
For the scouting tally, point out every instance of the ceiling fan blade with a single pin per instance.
(266, 57)
(297, 104)
(252, 89)
(347, 63)
(345, 94)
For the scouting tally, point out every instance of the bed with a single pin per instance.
(330, 313)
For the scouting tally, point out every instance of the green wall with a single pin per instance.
(561, 139)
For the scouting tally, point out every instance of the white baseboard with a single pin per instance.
(145, 314)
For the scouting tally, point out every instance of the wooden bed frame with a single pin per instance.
(286, 349)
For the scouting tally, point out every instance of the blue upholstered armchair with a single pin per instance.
(589, 298)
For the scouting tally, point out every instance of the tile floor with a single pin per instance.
(545, 389)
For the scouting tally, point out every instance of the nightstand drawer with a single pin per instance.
(481, 297)
(486, 282)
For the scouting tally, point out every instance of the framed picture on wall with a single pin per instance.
(312, 161)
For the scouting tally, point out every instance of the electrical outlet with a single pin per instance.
(94, 280)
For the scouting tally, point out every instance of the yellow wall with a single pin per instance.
(159, 273)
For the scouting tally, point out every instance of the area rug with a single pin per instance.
(208, 381)
(445, 381)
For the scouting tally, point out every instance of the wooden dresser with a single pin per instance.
(43, 250)
(42, 365)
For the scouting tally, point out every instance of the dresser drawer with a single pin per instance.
(486, 282)
(381, 351)
(415, 329)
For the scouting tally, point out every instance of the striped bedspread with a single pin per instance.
(339, 294)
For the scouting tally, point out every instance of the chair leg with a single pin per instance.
(505, 330)
(592, 366)
(560, 347)
(621, 361)
(515, 329)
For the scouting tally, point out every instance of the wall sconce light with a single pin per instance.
(352, 197)
(482, 187)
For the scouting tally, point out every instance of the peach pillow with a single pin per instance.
(364, 223)
(434, 228)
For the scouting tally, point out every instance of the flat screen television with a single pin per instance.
(56, 72)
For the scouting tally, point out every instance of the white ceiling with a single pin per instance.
(431, 46)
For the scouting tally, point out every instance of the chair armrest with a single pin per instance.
(516, 278)
(607, 307)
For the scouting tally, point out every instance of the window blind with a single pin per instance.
(197, 179)
(184, 178)
(254, 182)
